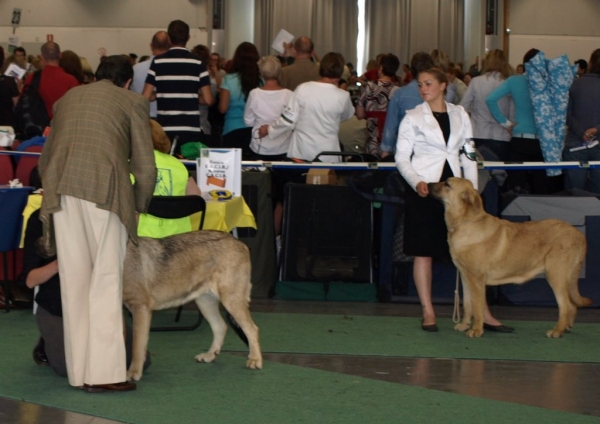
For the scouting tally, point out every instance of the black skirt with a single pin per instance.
(425, 231)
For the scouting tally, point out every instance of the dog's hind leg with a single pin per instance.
(238, 308)
(208, 304)
(571, 318)
(142, 316)
(557, 281)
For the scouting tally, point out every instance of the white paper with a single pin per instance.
(282, 36)
(220, 169)
(7, 136)
(14, 71)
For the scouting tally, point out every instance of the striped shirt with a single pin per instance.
(177, 76)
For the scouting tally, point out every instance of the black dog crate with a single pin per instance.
(327, 235)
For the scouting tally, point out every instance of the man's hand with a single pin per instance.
(288, 49)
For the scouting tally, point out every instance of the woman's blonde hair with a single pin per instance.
(440, 59)
(496, 61)
(160, 141)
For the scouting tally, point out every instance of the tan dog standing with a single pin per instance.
(492, 251)
(204, 266)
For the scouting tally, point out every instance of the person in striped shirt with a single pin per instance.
(178, 80)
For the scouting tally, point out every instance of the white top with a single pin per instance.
(421, 151)
(265, 107)
(314, 114)
(484, 125)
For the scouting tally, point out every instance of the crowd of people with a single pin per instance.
(273, 108)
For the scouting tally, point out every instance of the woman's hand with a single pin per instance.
(422, 189)
(263, 131)
(590, 134)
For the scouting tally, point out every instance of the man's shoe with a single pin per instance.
(498, 328)
(39, 354)
(125, 386)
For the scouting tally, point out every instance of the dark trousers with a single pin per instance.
(239, 139)
(530, 181)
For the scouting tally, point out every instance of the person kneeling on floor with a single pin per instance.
(40, 271)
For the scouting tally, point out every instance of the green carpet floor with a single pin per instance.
(176, 389)
(395, 336)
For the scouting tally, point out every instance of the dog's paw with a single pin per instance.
(206, 357)
(134, 374)
(475, 333)
(462, 326)
(554, 334)
(254, 364)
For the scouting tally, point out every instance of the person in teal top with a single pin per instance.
(172, 179)
(516, 87)
(524, 144)
(234, 116)
(242, 78)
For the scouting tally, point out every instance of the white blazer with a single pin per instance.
(421, 150)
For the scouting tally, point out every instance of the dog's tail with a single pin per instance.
(236, 327)
(577, 298)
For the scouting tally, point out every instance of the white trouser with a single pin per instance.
(91, 245)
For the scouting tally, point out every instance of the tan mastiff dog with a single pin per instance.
(492, 251)
(205, 266)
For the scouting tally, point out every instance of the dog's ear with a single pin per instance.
(468, 196)
(472, 198)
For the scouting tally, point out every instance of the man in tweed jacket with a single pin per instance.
(100, 134)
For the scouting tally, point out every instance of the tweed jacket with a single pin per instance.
(100, 134)
(301, 71)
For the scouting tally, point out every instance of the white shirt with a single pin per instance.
(265, 107)
(314, 114)
(421, 151)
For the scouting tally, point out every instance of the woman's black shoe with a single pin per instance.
(431, 328)
(39, 354)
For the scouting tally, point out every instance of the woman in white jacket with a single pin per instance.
(430, 140)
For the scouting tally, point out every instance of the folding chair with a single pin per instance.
(174, 207)
(12, 203)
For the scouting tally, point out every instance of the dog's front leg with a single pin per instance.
(467, 307)
(477, 291)
(142, 316)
